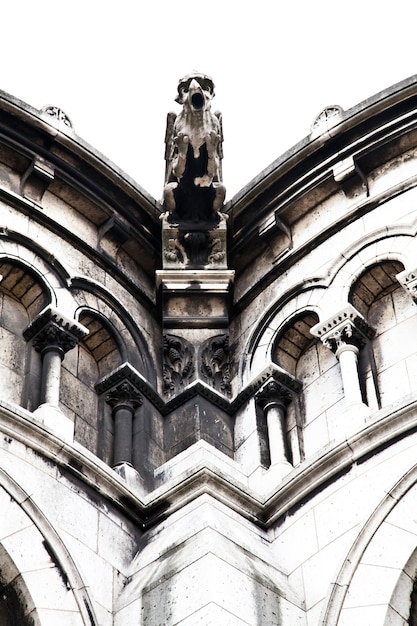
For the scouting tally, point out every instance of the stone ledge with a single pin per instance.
(216, 475)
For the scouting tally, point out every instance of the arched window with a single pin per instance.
(21, 298)
(310, 419)
(388, 364)
(94, 357)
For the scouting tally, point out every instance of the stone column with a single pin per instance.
(345, 334)
(53, 335)
(122, 392)
(124, 400)
(273, 398)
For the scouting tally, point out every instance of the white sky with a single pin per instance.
(113, 67)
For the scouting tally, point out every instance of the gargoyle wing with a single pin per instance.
(169, 145)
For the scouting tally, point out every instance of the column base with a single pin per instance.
(131, 476)
(354, 417)
(264, 480)
(54, 419)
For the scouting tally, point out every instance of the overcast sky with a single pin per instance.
(113, 67)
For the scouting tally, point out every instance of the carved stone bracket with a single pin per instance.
(37, 178)
(178, 364)
(349, 176)
(51, 330)
(216, 363)
(408, 280)
(348, 327)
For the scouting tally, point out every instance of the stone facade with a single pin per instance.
(211, 420)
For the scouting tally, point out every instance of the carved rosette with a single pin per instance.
(51, 330)
(346, 328)
(178, 364)
(216, 363)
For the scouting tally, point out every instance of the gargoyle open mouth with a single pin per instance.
(197, 101)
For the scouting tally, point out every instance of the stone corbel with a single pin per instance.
(408, 281)
(115, 227)
(273, 225)
(349, 176)
(36, 179)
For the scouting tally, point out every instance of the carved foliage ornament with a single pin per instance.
(215, 363)
(178, 364)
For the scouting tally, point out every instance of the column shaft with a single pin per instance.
(275, 417)
(51, 376)
(348, 359)
(123, 432)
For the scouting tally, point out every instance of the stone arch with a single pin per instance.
(34, 559)
(131, 338)
(312, 417)
(387, 364)
(262, 339)
(23, 294)
(376, 579)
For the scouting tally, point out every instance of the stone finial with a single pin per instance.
(347, 327)
(56, 114)
(193, 179)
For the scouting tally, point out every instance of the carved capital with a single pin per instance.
(124, 395)
(408, 281)
(273, 394)
(51, 330)
(346, 328)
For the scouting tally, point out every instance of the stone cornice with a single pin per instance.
(212, 473)
(198, 388)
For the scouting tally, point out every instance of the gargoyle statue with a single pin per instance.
(193, 189)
